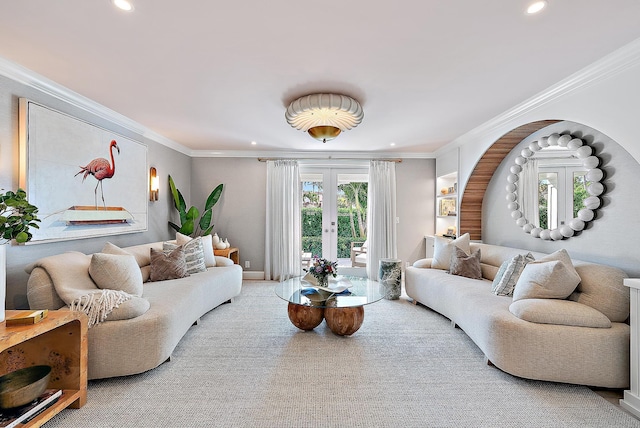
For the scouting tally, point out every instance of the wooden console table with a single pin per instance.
(232, 253)
(59, 341)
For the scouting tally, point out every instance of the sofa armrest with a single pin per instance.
(423, 263)
(223, 261)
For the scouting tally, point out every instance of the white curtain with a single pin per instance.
(283, 237)
(528, 192)
(381, 217)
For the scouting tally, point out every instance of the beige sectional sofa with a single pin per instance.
(583, 339)
(128, 343)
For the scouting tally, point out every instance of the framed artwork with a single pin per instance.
(447, 206)
(85, 180)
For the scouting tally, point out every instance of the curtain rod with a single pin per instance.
(329, 158)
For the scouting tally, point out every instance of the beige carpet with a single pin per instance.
(245, 365)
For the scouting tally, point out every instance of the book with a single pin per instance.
(12, 417)
(27, 317)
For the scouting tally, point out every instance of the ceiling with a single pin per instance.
(215, 75)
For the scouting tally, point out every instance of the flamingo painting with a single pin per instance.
(100, 169)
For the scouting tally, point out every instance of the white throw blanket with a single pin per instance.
(70, 275)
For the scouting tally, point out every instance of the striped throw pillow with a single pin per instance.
(508, 274)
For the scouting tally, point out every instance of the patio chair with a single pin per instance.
(359, 253)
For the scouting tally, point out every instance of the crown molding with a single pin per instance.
(616, 62)
(306, 154)
(33, 80)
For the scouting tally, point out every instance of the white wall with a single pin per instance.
(240, 215)
(606, 100)
(415, 202)
(167, 161)
(607, 239)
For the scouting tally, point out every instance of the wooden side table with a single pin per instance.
(232, 253)
(59, 341)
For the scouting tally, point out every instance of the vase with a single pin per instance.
(390, 276)
(215, 239)
(226, 243)
(323, 281)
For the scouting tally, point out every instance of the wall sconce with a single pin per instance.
(154, 184)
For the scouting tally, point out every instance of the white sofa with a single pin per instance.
(594, 356)
(119, 347)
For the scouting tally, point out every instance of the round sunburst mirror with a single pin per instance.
(555, 187)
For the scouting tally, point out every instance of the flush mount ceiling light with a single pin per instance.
(324, 116)
(123, 5)
(536, 7)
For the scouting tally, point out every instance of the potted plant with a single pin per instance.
(189, 223)
(17, 216)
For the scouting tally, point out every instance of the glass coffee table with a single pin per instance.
(341, 304)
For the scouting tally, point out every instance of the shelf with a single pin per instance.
(447, 216)
(59, 341)
(448, 195)
(67, 399)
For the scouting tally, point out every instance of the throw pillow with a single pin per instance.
(116, 272)
(562, 256)
(551, 279)
(168, 266)
(443, 249)
(559, 312)
(507, 276)
(193, 254)
(207, 247)
(463, 264)
(132, 308)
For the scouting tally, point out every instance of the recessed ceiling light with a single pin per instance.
(393, 144)
(123, 5)
(536, 7)
(253, 143)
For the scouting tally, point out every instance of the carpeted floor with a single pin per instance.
(246, 365)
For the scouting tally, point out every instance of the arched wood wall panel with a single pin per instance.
(471, 203)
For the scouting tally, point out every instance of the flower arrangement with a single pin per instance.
(321, 269)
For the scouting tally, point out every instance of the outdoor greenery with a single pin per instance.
(579, 195)
(352, 218)
(17, 215)
(188, 218)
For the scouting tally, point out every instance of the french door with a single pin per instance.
(334, 216)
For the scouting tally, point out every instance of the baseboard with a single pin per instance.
(259, 275)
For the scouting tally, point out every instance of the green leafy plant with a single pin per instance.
(17, 216)
(189, 223)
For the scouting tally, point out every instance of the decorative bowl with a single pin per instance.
(22, 386)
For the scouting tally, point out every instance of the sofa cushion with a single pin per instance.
(168, 266)
(601, 287)
(546, 279)
(140, 253)
(508, 274)
(116, 272)
(132, 308)
(423, 263)
(560, 312)
(467, 265)
(141, 259)
(443, 249)
(207, 247)
(193, 254)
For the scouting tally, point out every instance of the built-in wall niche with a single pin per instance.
(447, 204)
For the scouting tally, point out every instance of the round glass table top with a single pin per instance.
(342, 292)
